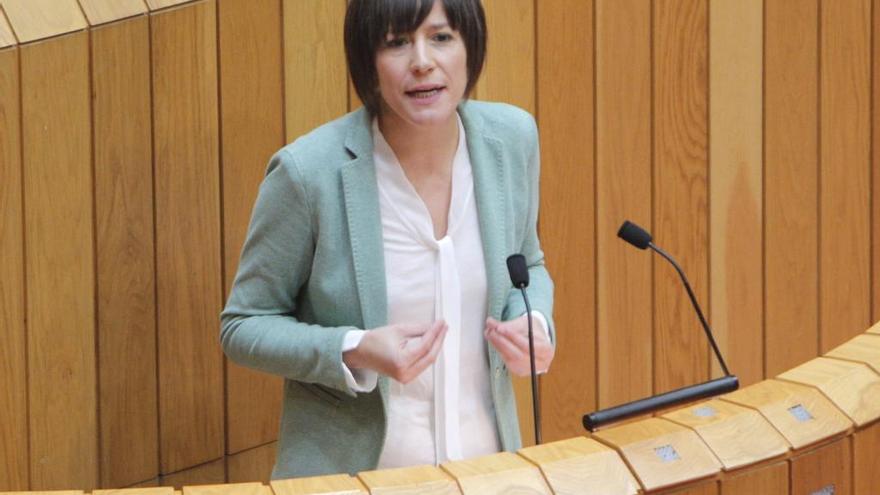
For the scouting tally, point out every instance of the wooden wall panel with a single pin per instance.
(844, 153)
(736, 189)
(680, 189)
(210, 473)
(13, 352)
(623, 191)
(252, 128)
(866, 459)
(875, 161)
(315, 81)
(59, 263)
(818, 469)
(188, 262)
(567, 222)
(509, 77)
(39, 19)
(125, 252)
(771, 479)
(104, 11)
(252, 465)
(791, 183)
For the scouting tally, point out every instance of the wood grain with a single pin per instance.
(39, 19)
(103, 11)
(226, 489)
(162, 4)
(852, 387)
(210, 473)
(252, 128)
(828, 466)
(771, 479)
(845, 234)
(13, 352)
(779, 401)
(875, 158)
(736, 167)
(623, 191)
(125, 248)
(7, 37)
(708, 488)
(567, 218)
(337, 484)
(417, 480)
(499, 474)
(581, 465)
(791, 184)
(164, 490)
(251, 465)
(188, 262)
(315, 81)
(738, 436)
(60, 275)
(680, 189)
(509, 77)
(863, 348)
(866, 459)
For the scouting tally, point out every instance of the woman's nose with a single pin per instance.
(422, 59)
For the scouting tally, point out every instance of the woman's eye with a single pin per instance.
(443, 37)
(395, 42)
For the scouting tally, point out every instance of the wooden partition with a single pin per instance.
(134, 134)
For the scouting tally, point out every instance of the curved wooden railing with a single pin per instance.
(811, 430)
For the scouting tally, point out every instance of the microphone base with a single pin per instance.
(718, 386)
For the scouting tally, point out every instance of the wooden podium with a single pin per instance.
(814, 429)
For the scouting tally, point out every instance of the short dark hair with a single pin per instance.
(367, 22)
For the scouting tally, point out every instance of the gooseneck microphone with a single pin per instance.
(519, 277)
(641, 239)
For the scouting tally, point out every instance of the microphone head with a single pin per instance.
(519, 272)
(634, 235)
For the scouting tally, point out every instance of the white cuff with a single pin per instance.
(541, 320)
(358, 380)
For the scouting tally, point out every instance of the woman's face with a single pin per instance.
(423, 74)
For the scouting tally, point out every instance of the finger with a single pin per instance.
(509, 352)
(425, 343)
(426, 360)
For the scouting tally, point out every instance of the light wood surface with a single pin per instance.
(800, 413)
(736, 168)
(680, 195)
(252, 129)
(103, 11)
(791, 183)
(7, 37)
(315, 80)
(125, 243)
(510, 24)
(227, 489)
(738, 436)
(421, 480)
(623, 191)
(188, 265)
(497, 474)
(844, 154)
(770, 479)
(829, 466)
(337, 484)
(582, 465)
(210, 473)
(161, 4)
(875, 329)
(159, 490)
(13, 352)
(866, 455)
(251, 465)
(661, 453)
(60, 276)
(862, 348)
(852, 387)
(567, 215)
(33, 20)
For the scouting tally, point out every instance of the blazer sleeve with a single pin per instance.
(540, 289)
(258, 326)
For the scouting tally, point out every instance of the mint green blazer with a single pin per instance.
(312, 268)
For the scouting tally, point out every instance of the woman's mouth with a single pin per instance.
(425, 93)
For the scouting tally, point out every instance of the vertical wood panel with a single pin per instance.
(315, 81)
(680, 188)
(59, 263)
(252, 128)
(565, 61)
(845, 259)
(623, 191)
(509, 76)
(791, 183)
(187, 235)
(125, 244)
(875, 160)
(736, 189)
(772, 479)
(210, 473)
(252, 465)
(866, 459)
(823, 467)
(13, 353)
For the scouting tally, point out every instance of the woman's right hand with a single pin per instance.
(400, 351)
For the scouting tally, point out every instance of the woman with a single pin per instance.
(396, 218)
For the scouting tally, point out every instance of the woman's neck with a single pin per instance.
(421, 149)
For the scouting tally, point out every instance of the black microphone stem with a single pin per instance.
(690, 292)
(535, 398)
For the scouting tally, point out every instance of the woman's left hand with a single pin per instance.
(511, 339)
